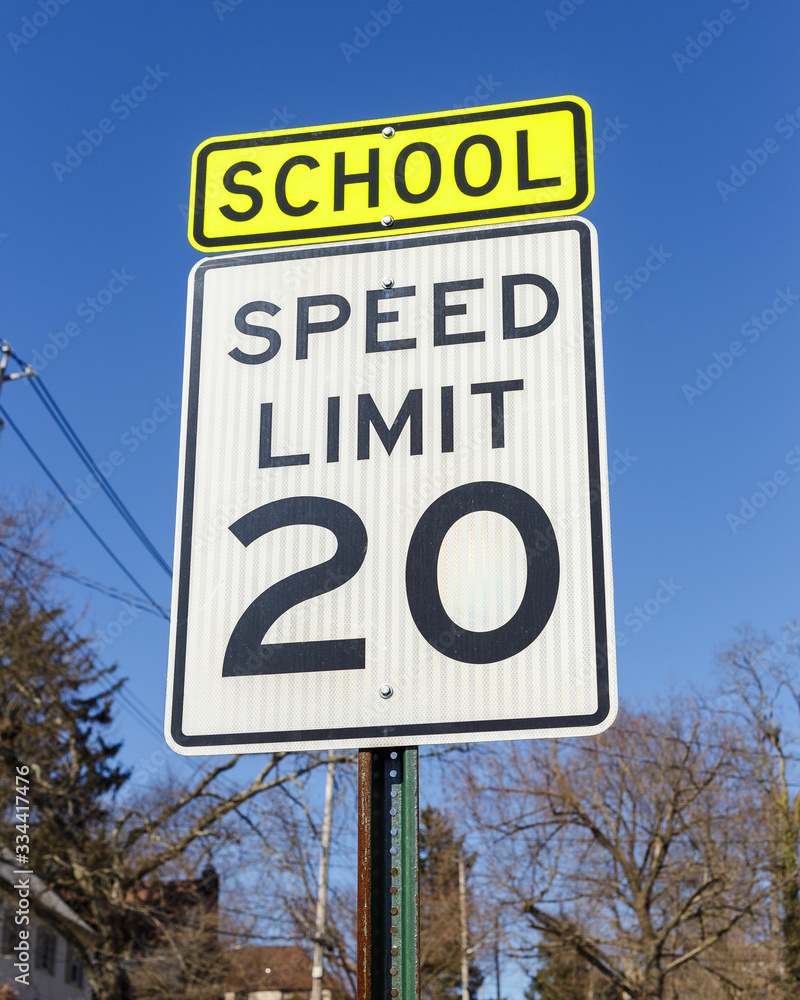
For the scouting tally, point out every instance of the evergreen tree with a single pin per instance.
(106, 860)
(55, 710)
(564, 975)
(440, 913)
(55, 713)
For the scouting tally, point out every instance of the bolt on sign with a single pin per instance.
(409, 174)
(393, 523)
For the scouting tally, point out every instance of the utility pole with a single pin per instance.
(322, 885)
(497, 955)
(4, 377)
(462, 898)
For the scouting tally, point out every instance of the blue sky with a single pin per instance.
(697, 122)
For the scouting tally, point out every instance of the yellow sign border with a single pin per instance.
(584, 176)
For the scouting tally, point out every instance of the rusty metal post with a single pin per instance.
(388, 874)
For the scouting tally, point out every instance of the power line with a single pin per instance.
(136, 708)
(108, 685)
(130, 706)
(103, 588)
(69, 432)
(140, 711)
(77, 445)
(71, 502)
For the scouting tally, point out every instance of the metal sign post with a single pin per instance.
(388, 874)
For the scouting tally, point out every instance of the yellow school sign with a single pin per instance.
(451, 168)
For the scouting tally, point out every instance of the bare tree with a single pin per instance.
(103, 877)
(762, 683)
(286, 847)
(443, 959)
(98, 850)
(636, 849)
(178, 954)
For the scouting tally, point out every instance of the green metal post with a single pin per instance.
(388, 884)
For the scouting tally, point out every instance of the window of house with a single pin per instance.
(10, 935)
(46, 950)
(74, 970)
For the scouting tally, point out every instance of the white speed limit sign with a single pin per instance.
(393, 522)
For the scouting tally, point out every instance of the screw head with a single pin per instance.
(388, 282)
(388, 132)
(385, 691)
(387, 220)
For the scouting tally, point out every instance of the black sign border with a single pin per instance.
(361, 735)
(564, 205)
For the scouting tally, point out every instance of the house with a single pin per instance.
(165, 907)
(273, 972)
(39, 965)
(173, 928)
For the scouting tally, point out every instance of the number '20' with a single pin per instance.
(248, 655)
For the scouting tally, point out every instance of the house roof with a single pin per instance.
(271, 967)
(44, 900)
(173, 898)
(160, 907)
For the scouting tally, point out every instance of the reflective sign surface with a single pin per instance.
(452, 168)
(393, 527)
